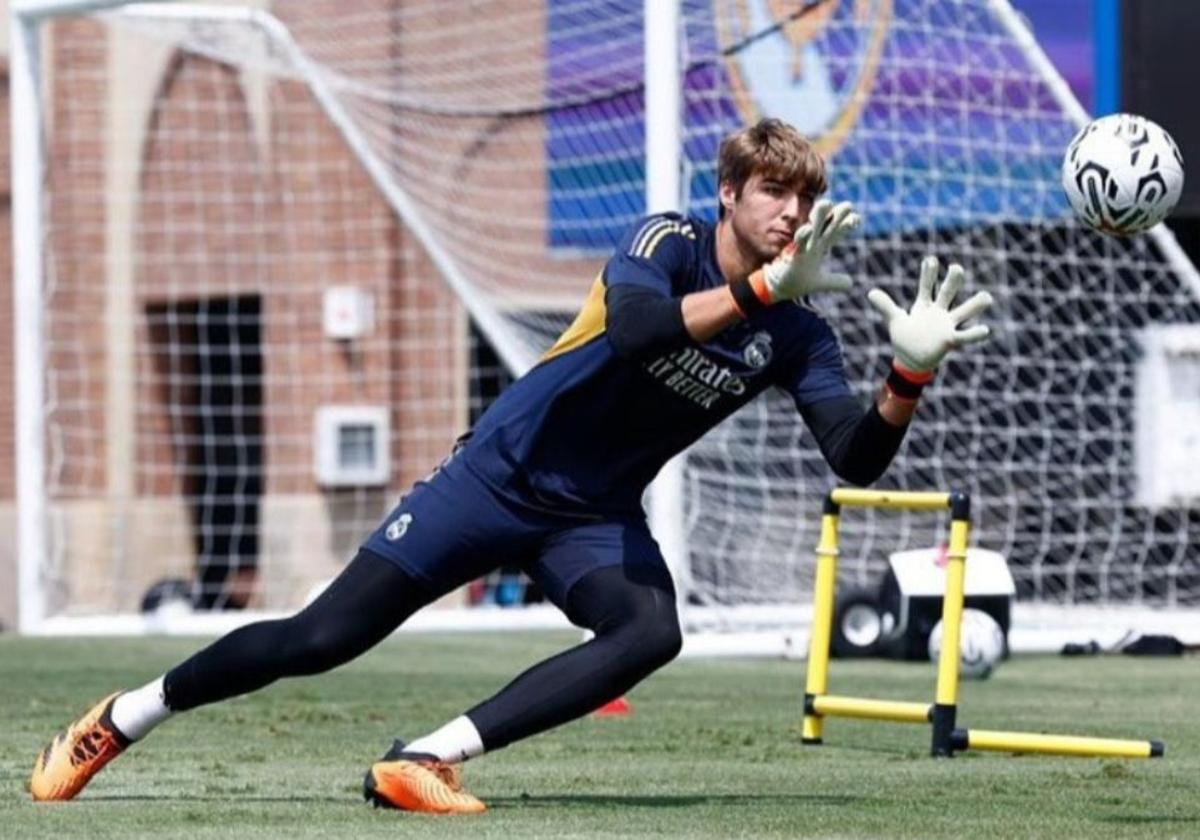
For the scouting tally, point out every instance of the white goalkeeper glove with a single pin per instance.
(796, 272)
(923, 336)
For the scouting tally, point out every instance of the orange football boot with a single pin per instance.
(418, 782)
(69, 761)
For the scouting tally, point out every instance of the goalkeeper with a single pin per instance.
(687, 322)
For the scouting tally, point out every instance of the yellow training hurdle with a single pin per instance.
(942, 713)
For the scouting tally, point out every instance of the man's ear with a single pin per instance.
(727, 195)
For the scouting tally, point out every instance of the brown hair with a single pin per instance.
(775, 150)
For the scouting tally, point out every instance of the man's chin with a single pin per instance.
(771, 252)
(776, 244)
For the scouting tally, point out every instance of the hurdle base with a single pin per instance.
(1066, 745)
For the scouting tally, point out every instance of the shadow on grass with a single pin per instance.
(523, 801)
(226, 798)
(1148, 819)
(726, 799)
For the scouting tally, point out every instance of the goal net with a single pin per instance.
(289, 251)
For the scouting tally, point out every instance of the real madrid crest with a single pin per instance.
(399, 527)
(758, 352)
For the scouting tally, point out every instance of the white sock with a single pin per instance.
(457, 741)
(136, 712)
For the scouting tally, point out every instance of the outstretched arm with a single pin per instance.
(860, 445)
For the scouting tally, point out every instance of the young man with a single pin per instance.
(687, 322)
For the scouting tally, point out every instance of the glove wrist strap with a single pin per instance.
(907, 384)
(745, 298)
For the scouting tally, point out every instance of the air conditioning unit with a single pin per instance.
(351, 446)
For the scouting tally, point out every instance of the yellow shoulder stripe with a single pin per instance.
(588, 324)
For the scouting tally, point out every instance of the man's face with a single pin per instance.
(765, 216)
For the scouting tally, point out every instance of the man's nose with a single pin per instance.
(791, 210)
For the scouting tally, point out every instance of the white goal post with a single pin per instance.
(201, 192)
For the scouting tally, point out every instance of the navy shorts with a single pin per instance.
(454, 527)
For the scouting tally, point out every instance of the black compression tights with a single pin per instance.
(637, 632)
(634, 621)
(366, 602)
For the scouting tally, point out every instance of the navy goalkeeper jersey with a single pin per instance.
(586, 430)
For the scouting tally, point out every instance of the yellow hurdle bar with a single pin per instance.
(858, 707)
(822, 624)
(901, 499)
(946, 697)
(1029, 742)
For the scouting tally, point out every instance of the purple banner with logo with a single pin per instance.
(928, 112)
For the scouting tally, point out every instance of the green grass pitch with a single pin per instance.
(712, 750)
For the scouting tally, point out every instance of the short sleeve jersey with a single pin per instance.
(586, 430)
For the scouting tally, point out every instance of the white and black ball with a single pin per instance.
(1123, 174)
(981, 644)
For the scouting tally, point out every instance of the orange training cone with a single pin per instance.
(614, 708)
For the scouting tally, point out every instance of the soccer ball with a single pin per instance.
(1122, 174)
(981, 644)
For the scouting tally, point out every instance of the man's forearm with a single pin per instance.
(642, 322)
(898, 397)
(708, 313)
(894, 410)
(858, 445)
